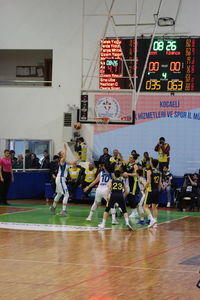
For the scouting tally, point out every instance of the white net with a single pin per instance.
(102, 123)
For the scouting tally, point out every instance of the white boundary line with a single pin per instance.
(46, 227)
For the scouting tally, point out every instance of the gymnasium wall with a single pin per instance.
(177, 118)
(37, 112)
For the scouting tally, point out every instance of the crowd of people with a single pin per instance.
(31, 160)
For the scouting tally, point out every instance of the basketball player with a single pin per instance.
(61, 187)
(133, 186)
(152, 192)
(142, 185)
(115, 190)
(101, 192)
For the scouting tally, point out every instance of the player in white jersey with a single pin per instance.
(61, 187)
(142, 185)
(101, 192)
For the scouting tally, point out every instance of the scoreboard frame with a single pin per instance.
(173, 64)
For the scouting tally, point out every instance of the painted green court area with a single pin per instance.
(77, 216)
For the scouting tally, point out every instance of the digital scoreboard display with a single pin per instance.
(173, 64)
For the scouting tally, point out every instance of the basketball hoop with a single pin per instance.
(102, 123)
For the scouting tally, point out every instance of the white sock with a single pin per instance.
(65, 200)
(56, 199)
(104, 222)
(126, 221)
(91, 214)
(150, 217)
(113, 212)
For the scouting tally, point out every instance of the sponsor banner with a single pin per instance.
(45, 227)
(116, 107)
(152, 107)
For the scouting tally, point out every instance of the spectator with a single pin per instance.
(135, 155)
(34, 161)
(28, 161)
(6, 175)
(166, 184)
(12, 156)
(189, 189)
(116, 160)
(105, 157)
(74, 178)
(88, 177)
(77, 148)
(163, 150)
(54, 165)
(45, 163)
(19, 162)
(146, 161)
(83, 149)
(80, 148)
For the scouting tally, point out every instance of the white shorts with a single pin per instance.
(61, 187)
(100, 194)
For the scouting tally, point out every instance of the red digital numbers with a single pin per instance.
(154, 66)
(175, 66)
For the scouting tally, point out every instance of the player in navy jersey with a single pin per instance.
(103, 178)
(152, 192)
(61, 187)
(115, 194)
(134, 191)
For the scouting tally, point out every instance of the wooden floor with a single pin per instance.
(114, 264)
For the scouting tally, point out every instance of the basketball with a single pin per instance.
(77, 125)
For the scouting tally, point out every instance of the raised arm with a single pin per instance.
(92, 183)
(64, 155)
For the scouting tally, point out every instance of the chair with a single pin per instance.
(186, 202)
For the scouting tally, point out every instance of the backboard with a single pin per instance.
(116, 105)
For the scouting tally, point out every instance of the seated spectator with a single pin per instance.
(12, 156)
(45, 163)
(28, 161)
(18, 164)
(105, 157)
(54, 165)
(167, 184)
(34, 161)
(146, 161)
(89, 176)
(189, 189)
(74, 178)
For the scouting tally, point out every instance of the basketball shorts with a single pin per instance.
(101, 193)
(151, 197)
(115, 198)
(61, 187)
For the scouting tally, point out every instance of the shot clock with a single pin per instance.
(173, 64)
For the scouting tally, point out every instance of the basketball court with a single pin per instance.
(44, 256)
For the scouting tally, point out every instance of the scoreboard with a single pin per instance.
(173, 64)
